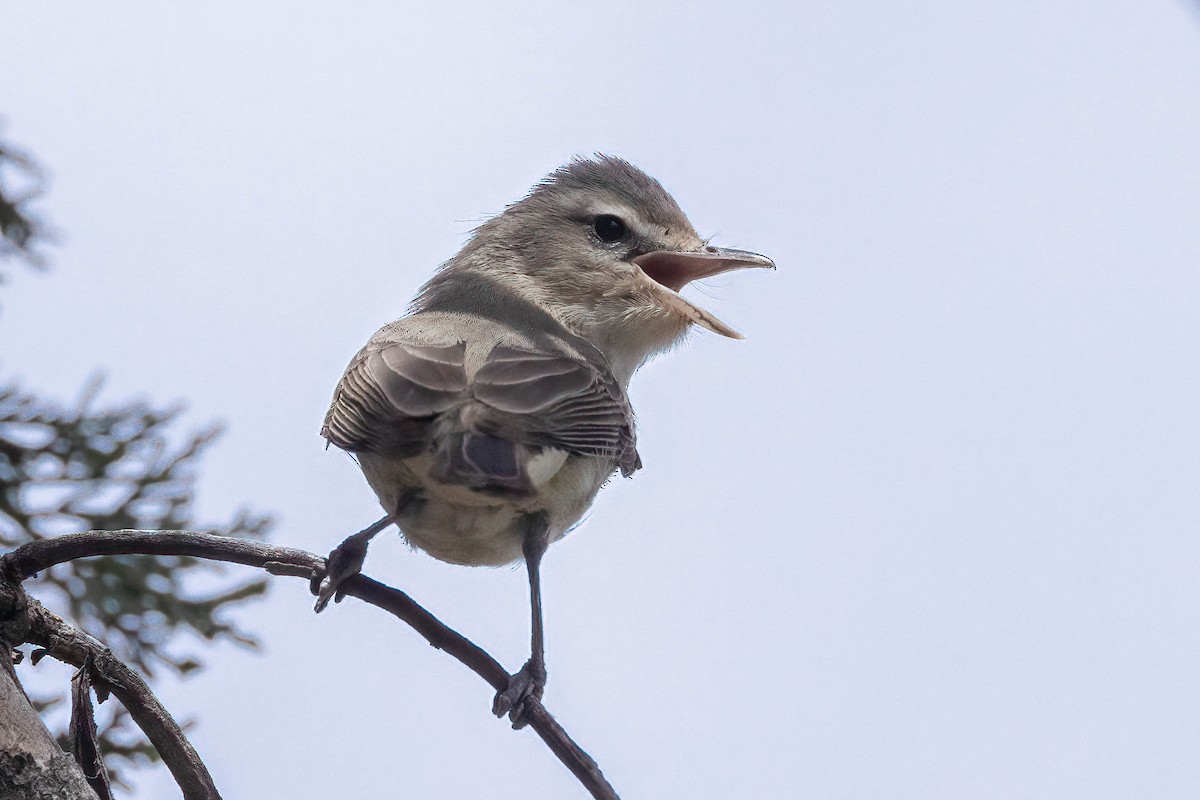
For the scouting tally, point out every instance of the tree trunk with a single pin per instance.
(32, 765)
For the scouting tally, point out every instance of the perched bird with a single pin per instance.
(487, 419)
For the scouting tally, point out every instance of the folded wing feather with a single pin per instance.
(390, 398)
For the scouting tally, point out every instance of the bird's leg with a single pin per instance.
(530, 681)
(345, 560)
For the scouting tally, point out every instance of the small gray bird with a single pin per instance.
(488, 418)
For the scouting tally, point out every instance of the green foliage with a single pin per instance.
(22, 228)
(123, 466)
(107, 469)
(110, 469)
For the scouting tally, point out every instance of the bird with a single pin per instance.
(488, 418)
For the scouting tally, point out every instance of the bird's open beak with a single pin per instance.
(671, 270)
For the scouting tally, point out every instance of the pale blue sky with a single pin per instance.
(930, 532)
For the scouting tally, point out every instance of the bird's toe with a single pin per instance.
(514, 700)
(345, 561)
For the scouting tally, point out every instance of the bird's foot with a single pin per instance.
(345, 561)
(526, 685)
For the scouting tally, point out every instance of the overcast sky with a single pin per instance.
(931, 531)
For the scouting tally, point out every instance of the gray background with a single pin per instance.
(930, 532)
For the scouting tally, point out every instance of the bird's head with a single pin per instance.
(602, 246)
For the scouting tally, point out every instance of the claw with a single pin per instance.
(326, 589)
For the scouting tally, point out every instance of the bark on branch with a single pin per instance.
(67, 644)
(29, 559)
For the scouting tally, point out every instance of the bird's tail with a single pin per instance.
(481, 462)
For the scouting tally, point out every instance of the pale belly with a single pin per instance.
(455, 524)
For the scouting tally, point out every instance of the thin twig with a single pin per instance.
(29, 559)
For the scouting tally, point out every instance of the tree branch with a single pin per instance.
(29, 559)
(65, 643)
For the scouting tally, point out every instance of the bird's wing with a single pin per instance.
(554, 400)
(390, 396)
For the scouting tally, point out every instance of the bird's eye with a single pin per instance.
(609, 228)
